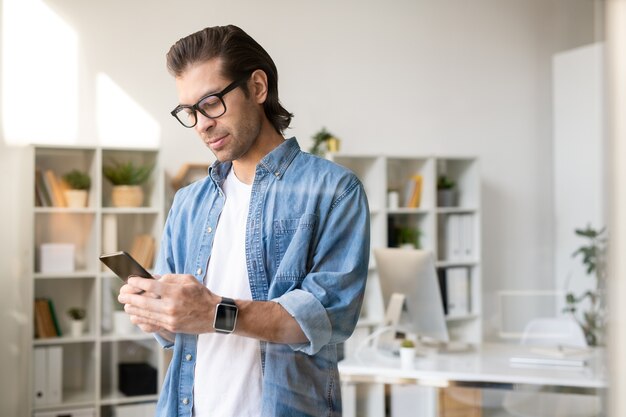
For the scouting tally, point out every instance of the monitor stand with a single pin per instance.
(389, 341)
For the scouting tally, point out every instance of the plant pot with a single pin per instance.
(127, 196)
(447, 198)
(122, 323)
(76, 198)
(407, 357)
(77, 328)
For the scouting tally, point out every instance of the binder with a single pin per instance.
(40, 369)
(55, 374)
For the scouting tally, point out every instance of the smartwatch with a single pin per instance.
(225, 316)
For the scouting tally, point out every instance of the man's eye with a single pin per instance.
(209, 103)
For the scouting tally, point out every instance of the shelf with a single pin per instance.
(64, 340)
(119, 398)
(454, 210)
(89, 362)
(130, 210)
(407, 210)
(451, 264)
(65, 275)
(65, 210)
(367, 322)
(113, 337)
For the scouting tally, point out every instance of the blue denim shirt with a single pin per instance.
(307, 248)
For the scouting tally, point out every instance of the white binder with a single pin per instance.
(40, 368)
(55, 375)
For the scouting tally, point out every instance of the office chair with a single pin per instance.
(552, 332)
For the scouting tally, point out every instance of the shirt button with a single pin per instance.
(185, 401)
(277, 174)
(188, 357)
(199, 271)
(209, 229)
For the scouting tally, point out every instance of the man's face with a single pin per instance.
(231, 135)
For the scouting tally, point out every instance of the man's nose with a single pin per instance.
(203, 122)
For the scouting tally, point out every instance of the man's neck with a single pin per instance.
(245, 167)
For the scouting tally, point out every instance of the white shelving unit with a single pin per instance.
(90, 362)
(380, 174)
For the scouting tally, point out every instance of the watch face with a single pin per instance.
(225, 317)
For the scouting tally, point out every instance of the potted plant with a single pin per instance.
(446, 192)
(593, 318)
(121, 320)
(321, 139)
(127, 178)
(79, 184)
(409, 237)
(407, 353)
(77, 320)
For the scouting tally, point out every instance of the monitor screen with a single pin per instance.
(412, 273)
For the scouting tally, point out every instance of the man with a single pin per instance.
(271, 247)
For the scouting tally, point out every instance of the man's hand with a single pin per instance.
(176, 303)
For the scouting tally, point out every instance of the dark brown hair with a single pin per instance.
(241, 56)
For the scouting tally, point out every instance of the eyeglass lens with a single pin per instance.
(211, 106)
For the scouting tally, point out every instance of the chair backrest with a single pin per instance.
(553, 331)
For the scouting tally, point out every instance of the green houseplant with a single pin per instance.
(77, 317)
(446, 191)
(324, 139)
(409, 237)
(591, 316)
(127, 178)
(79, 184)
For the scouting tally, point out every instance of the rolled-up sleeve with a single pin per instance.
(328, 302)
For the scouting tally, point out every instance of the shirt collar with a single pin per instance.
(276, 162)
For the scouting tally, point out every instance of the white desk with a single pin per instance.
(486, 367)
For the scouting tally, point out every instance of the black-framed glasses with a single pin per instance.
(211, 106)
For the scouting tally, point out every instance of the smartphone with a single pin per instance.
(124, 265)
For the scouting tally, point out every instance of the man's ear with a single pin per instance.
(258, 86)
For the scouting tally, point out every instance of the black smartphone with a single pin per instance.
(124, 265)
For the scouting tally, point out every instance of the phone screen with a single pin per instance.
(124, 265)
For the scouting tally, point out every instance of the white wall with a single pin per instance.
(406, 76)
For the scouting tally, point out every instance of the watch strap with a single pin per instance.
(229, 301)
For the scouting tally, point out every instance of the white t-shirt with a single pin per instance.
(228, 368)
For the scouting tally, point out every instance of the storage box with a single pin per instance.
(56, 257)
(137, 379)
(77, 412)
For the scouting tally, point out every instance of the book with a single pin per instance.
(416, 196)
(143, 250)
(42, 190)
(54, 184)
(413, 191)
(44, 325)
(57, 328)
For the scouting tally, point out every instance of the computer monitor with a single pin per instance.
(412, 273)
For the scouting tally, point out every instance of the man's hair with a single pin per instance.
(241, 56)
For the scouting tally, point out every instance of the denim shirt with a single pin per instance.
(307, 248)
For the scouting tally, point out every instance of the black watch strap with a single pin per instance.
(230, 301)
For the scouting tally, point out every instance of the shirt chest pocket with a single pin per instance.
(294, 247)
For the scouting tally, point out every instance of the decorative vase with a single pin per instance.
(76, 198)
(332, 144)
(447, 197)
(407, 356)
(127, 196)
(122, 323)
(77, 328)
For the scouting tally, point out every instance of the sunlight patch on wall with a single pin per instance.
(39, 75)
(121, 121)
